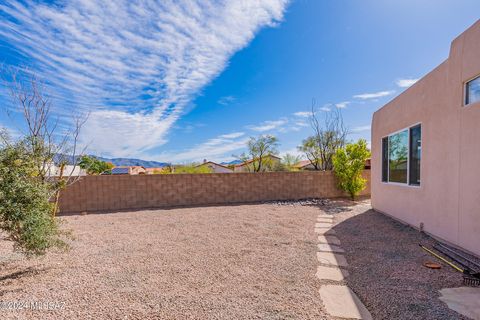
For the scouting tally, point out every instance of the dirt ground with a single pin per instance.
(225, 262)
(252, 261)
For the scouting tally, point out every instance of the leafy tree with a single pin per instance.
(192, 168)
(311, 150)
(259, 150)
(289, 161)
(94, 166)
(349, 163)
(330, 134)
(26, 213)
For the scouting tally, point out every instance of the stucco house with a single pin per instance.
(308, 165)
(215, 167)
(426, 149)
(68, 170)
(132, 170)
(156, 170)
(304, 165)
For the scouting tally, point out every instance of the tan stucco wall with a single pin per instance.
(448, 200)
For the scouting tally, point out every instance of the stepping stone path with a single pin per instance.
(324, 231)
(329, 239)
(329, 273)
(325, 247)
(338, 299)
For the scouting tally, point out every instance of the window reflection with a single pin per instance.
(473, 91)
(398, 157)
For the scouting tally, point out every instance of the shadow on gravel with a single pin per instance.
(19, 274)
(337, 205)
(386, 270)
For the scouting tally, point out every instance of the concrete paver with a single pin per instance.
(331, 273)
(323, 225)
(332, 259)
(464, 300)
(325, 231)
(329, 239)
(325, 247)
(341, 301)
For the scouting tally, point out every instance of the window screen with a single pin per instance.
(415, 154)
(385, 159)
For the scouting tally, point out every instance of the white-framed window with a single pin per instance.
(401, 156)
(472, 91)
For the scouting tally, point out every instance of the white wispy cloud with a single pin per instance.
(326, 108)
(342, 105)
(134, 65)
(232, 135)
(302, 114)
(216, 149)
(10, 132)
(360, 129)
(268, 125)
(405, 83)
(292, 151)
(375, 95)
(224, 101)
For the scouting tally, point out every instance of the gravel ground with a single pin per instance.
(385, 264)
(226, 262)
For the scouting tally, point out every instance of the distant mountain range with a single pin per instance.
(119, 161)
(136, 162)
(233, 162)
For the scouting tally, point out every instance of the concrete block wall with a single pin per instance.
(131, 192)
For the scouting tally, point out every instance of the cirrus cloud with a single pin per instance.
(405, 83)
(134, 66)
(374, 95)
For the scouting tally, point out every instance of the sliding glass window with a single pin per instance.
(401, 155)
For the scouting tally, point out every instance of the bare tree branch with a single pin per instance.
(329, 135)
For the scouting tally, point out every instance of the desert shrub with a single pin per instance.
(26, 214)
(348, 164)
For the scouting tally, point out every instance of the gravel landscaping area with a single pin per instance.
(255, 261)
(386, 265)
(225, 262)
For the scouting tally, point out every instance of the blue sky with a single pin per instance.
(182, 81)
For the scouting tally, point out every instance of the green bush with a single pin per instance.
(95, 166)
(26, 214)
(348, 164)
(192, 168)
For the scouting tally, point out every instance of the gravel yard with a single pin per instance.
(254, 261)
(225, 262)
(385, 264)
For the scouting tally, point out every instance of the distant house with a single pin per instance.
(269, 162)
(215, 167)
(131, 170)
(307, 165)
(155, 170)
(304, 165)
(68, 170)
